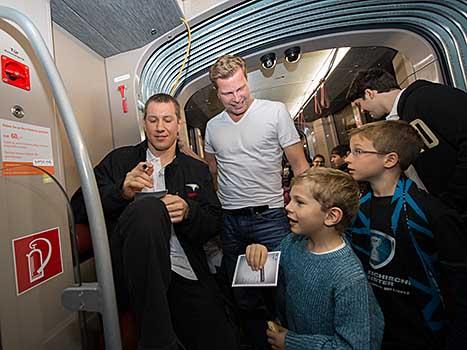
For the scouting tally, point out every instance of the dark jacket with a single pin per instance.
(204, 218)
(443, 169)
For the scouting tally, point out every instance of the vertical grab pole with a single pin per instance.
(88, 180)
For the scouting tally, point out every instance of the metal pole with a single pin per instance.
(88, 181)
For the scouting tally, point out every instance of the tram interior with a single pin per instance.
(91, 60)
(296, 84)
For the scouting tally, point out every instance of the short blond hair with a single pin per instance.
(392, 136)
(225, 67)
(332, 188)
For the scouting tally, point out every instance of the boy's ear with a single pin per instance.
(391, 160)
(333, 216)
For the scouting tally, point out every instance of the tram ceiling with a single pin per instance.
(250, 27)
(110, 27)
(204, 105)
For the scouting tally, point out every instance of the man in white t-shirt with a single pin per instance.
(244, 146)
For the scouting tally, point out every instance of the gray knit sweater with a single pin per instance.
(325, 300)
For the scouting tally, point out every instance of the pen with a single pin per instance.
(261, 274)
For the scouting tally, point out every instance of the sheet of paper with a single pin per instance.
(24, 145)
(244, 276)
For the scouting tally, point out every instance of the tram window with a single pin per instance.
(192, 140)
(344, 121)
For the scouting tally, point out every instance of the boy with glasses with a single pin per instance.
(411, 245)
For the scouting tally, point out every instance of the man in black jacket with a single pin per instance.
(159, 264)
(439, 112)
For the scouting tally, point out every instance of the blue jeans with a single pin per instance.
(256, 305)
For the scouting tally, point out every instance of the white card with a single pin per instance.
(244, 276)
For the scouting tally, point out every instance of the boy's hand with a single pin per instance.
(256, 256)
(277, 339)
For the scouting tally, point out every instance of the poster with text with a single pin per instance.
(24, 145)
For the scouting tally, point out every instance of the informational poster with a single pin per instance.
(37, 259)
(25, 144)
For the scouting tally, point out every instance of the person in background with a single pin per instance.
(324, 299)
(338, 155)
(411, 244)
(439, 111)
(318, 161)
(244, 146)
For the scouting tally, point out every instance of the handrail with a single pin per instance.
(88, 181)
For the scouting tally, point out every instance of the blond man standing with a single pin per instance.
(244, 146)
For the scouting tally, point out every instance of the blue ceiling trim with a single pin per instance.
(260, 24)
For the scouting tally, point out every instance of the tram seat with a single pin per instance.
(126, 318)
(128, 331)
(84, 242)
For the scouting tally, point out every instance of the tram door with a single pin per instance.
(35, 254)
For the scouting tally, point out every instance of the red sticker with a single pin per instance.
(15, 73)
(37, 258)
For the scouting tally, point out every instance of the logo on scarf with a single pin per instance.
(383, 248)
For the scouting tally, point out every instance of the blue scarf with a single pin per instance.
(415, 241)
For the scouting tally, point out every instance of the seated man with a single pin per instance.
(159, 264)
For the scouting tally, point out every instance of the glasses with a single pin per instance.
(358, 152)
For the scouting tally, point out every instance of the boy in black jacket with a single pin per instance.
(159, 264)
(411, 245)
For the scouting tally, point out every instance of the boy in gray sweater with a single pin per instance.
(324, 300)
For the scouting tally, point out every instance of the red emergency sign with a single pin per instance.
(37, 258)
(15, 73)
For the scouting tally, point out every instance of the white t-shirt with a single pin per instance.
(178, 258)
(249, 154)
(339, 247)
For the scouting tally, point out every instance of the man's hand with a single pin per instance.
(256, 256)
(177, 207)
(277, 339)
(137, 179)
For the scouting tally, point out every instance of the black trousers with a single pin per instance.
(169, 308)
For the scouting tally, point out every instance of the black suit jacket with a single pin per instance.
(443, 169)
